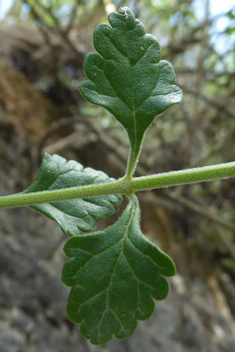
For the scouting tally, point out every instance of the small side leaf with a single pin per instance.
(76, 214)
(127, 77)
(114, 274)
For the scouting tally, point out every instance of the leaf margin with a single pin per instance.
(76, 310)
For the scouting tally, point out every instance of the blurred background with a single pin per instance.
(42, 48)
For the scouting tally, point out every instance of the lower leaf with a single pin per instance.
(76, 214)
(114, 275)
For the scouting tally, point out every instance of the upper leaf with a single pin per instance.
(114, 274)
(127, 77)
(56, 173)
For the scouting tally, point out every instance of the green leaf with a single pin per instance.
(76, 214)
(127, 77)
(230, 30)
(114, 274)
(231, 15)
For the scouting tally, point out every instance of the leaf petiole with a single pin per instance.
(131, 164)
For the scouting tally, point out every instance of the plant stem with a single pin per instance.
(175, 178)
(123, 186)
(19, 199)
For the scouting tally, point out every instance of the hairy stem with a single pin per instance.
(175, 178)
(123, 185)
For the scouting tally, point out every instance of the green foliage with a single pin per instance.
(114, 274)
(127, 77)
(76, 214)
